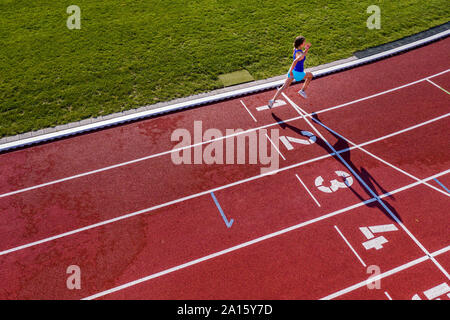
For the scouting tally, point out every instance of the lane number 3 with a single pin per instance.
(335, 185)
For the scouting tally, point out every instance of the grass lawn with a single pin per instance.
(131, 53)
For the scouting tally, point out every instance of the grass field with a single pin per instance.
(131, 53)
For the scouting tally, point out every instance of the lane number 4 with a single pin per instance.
(369, 233)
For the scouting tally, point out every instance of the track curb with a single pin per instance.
(88, 125)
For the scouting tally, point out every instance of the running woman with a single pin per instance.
(296, 71)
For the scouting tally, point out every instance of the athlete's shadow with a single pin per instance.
(344, 157)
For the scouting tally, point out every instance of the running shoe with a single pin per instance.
(303, 94)
(270, 105)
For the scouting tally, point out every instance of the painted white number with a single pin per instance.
(376, 243)
(287, 140)
(335, 185)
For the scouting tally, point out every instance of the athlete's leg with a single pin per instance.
(308, 78)
(286, 84)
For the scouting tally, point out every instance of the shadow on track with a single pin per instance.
(342, 144)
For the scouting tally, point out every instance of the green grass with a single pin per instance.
(131, 53)
(237, 77)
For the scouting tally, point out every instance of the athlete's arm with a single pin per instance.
(307, 46)
(305, 52)
(294, 63)
(299, 58)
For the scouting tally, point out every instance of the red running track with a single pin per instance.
(140, 227)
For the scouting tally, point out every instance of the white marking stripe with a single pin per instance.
(383, 228)
(437, 291)
(243, 245)
(276, 148)
(383, 161)
(387, 295)
(141, 159)
(405, 130)
(268, 236)
(238, 133)
(366, 232)
(237, 247)
(434, 84)
(386, 53)
(388, 210)
(191, 197)
(376, 243)
(382, 93)
(381, 202)
(385, 274)
(312, 196)
(350, 246)
(248, 111)
(276, 104)
(224, 137)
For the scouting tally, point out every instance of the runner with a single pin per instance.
(296, 71)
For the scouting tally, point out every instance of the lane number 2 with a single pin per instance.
(287, 141)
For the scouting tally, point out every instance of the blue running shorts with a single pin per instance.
(298, 76)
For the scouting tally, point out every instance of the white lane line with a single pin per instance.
(383, 228)
(209, 141)
(118, 165)
(434, 84)
(350, 246)
(304, 186)
(248, 243)
(387, 295)
(220, 253)
(251, 242)
(386, 274)
(276, 148)
(105, 222)
(248, 110)
(276, 104)
(201, 143)
(366, 232)
(380, 159)
(438, 74)
(442, 185)
(194, 145)
(403, 130)
(362, 182)
(169, 203)
(437, 291)
(382, 93)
